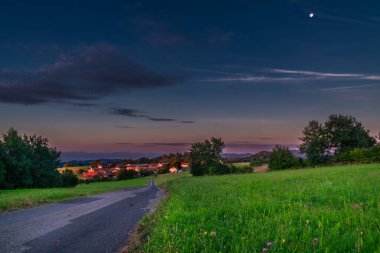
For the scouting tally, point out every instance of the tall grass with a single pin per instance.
(332, 209)
(21, 198)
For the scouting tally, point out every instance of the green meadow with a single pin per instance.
(21, 198)
(330, 209)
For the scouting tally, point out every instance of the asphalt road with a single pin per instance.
(100, 223)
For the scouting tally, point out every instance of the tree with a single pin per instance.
(260, 158)
(175, 161)
(339, 134)
(95, 163)
(205, 155)
(28, 161)
(126, 174)
(16, 160)
(346, 133)
(45, 161)
(315, 143)
(282, 158)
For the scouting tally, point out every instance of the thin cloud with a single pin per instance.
(313, 73)
(354, 20)
(124, 143)
(252, 79)
(324, 75)
(123, 127)
(168, 144)
(133, 113)
(187, 121)
(162, 119)
(346, 88)
(281, 75)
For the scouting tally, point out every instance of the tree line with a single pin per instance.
(339, 139)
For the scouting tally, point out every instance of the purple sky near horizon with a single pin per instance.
(155, 76)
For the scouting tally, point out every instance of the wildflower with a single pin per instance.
(269, 244)
(315, 242)
(283, 241)
(265, 250)
(213, 234)
(307, 222)
(205, 232)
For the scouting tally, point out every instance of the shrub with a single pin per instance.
(145, 173)
(282, 158)
(360, 155)
(218, 169)
(197, 168)
(240, 169)
(69, 179)
(2, 175)
(126, 174)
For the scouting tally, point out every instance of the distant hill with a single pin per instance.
(88, 156)
(235, 155)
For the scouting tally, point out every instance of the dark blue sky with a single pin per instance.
(114, 76)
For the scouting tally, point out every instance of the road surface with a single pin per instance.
(100, 223)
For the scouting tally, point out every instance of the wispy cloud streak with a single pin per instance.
(347, 88)
(282, 75)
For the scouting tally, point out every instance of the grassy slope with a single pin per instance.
(339, 206)
(14, 199)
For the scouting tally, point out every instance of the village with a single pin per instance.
(110, 171)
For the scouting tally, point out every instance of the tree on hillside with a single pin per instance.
(175, 161)
(205, 155)
(282, 158)
(346, 133)
(339, 134)
(95, 163)
(315, 143)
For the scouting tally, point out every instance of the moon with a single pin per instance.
(311, 15)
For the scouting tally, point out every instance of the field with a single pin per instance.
(21, 198)
(334, 209)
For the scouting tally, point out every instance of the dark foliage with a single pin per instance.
(260, 158)
(282, 158)
(339, 134)
(27, 161)
(360, 155)
(126, 174)
(205, 157)
(69, 179)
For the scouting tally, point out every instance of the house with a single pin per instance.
(184, 165)
(173, 170)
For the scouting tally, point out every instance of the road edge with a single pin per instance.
(139, 235)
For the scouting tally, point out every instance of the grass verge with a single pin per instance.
(22, 198)
(332, 209)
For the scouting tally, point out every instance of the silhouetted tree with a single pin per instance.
(315, 143)
(205, 155)
(282, 158)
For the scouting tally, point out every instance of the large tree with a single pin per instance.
(346, 133)
(27, 161)
(315, 143)
(338, 134)
(205, 155)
